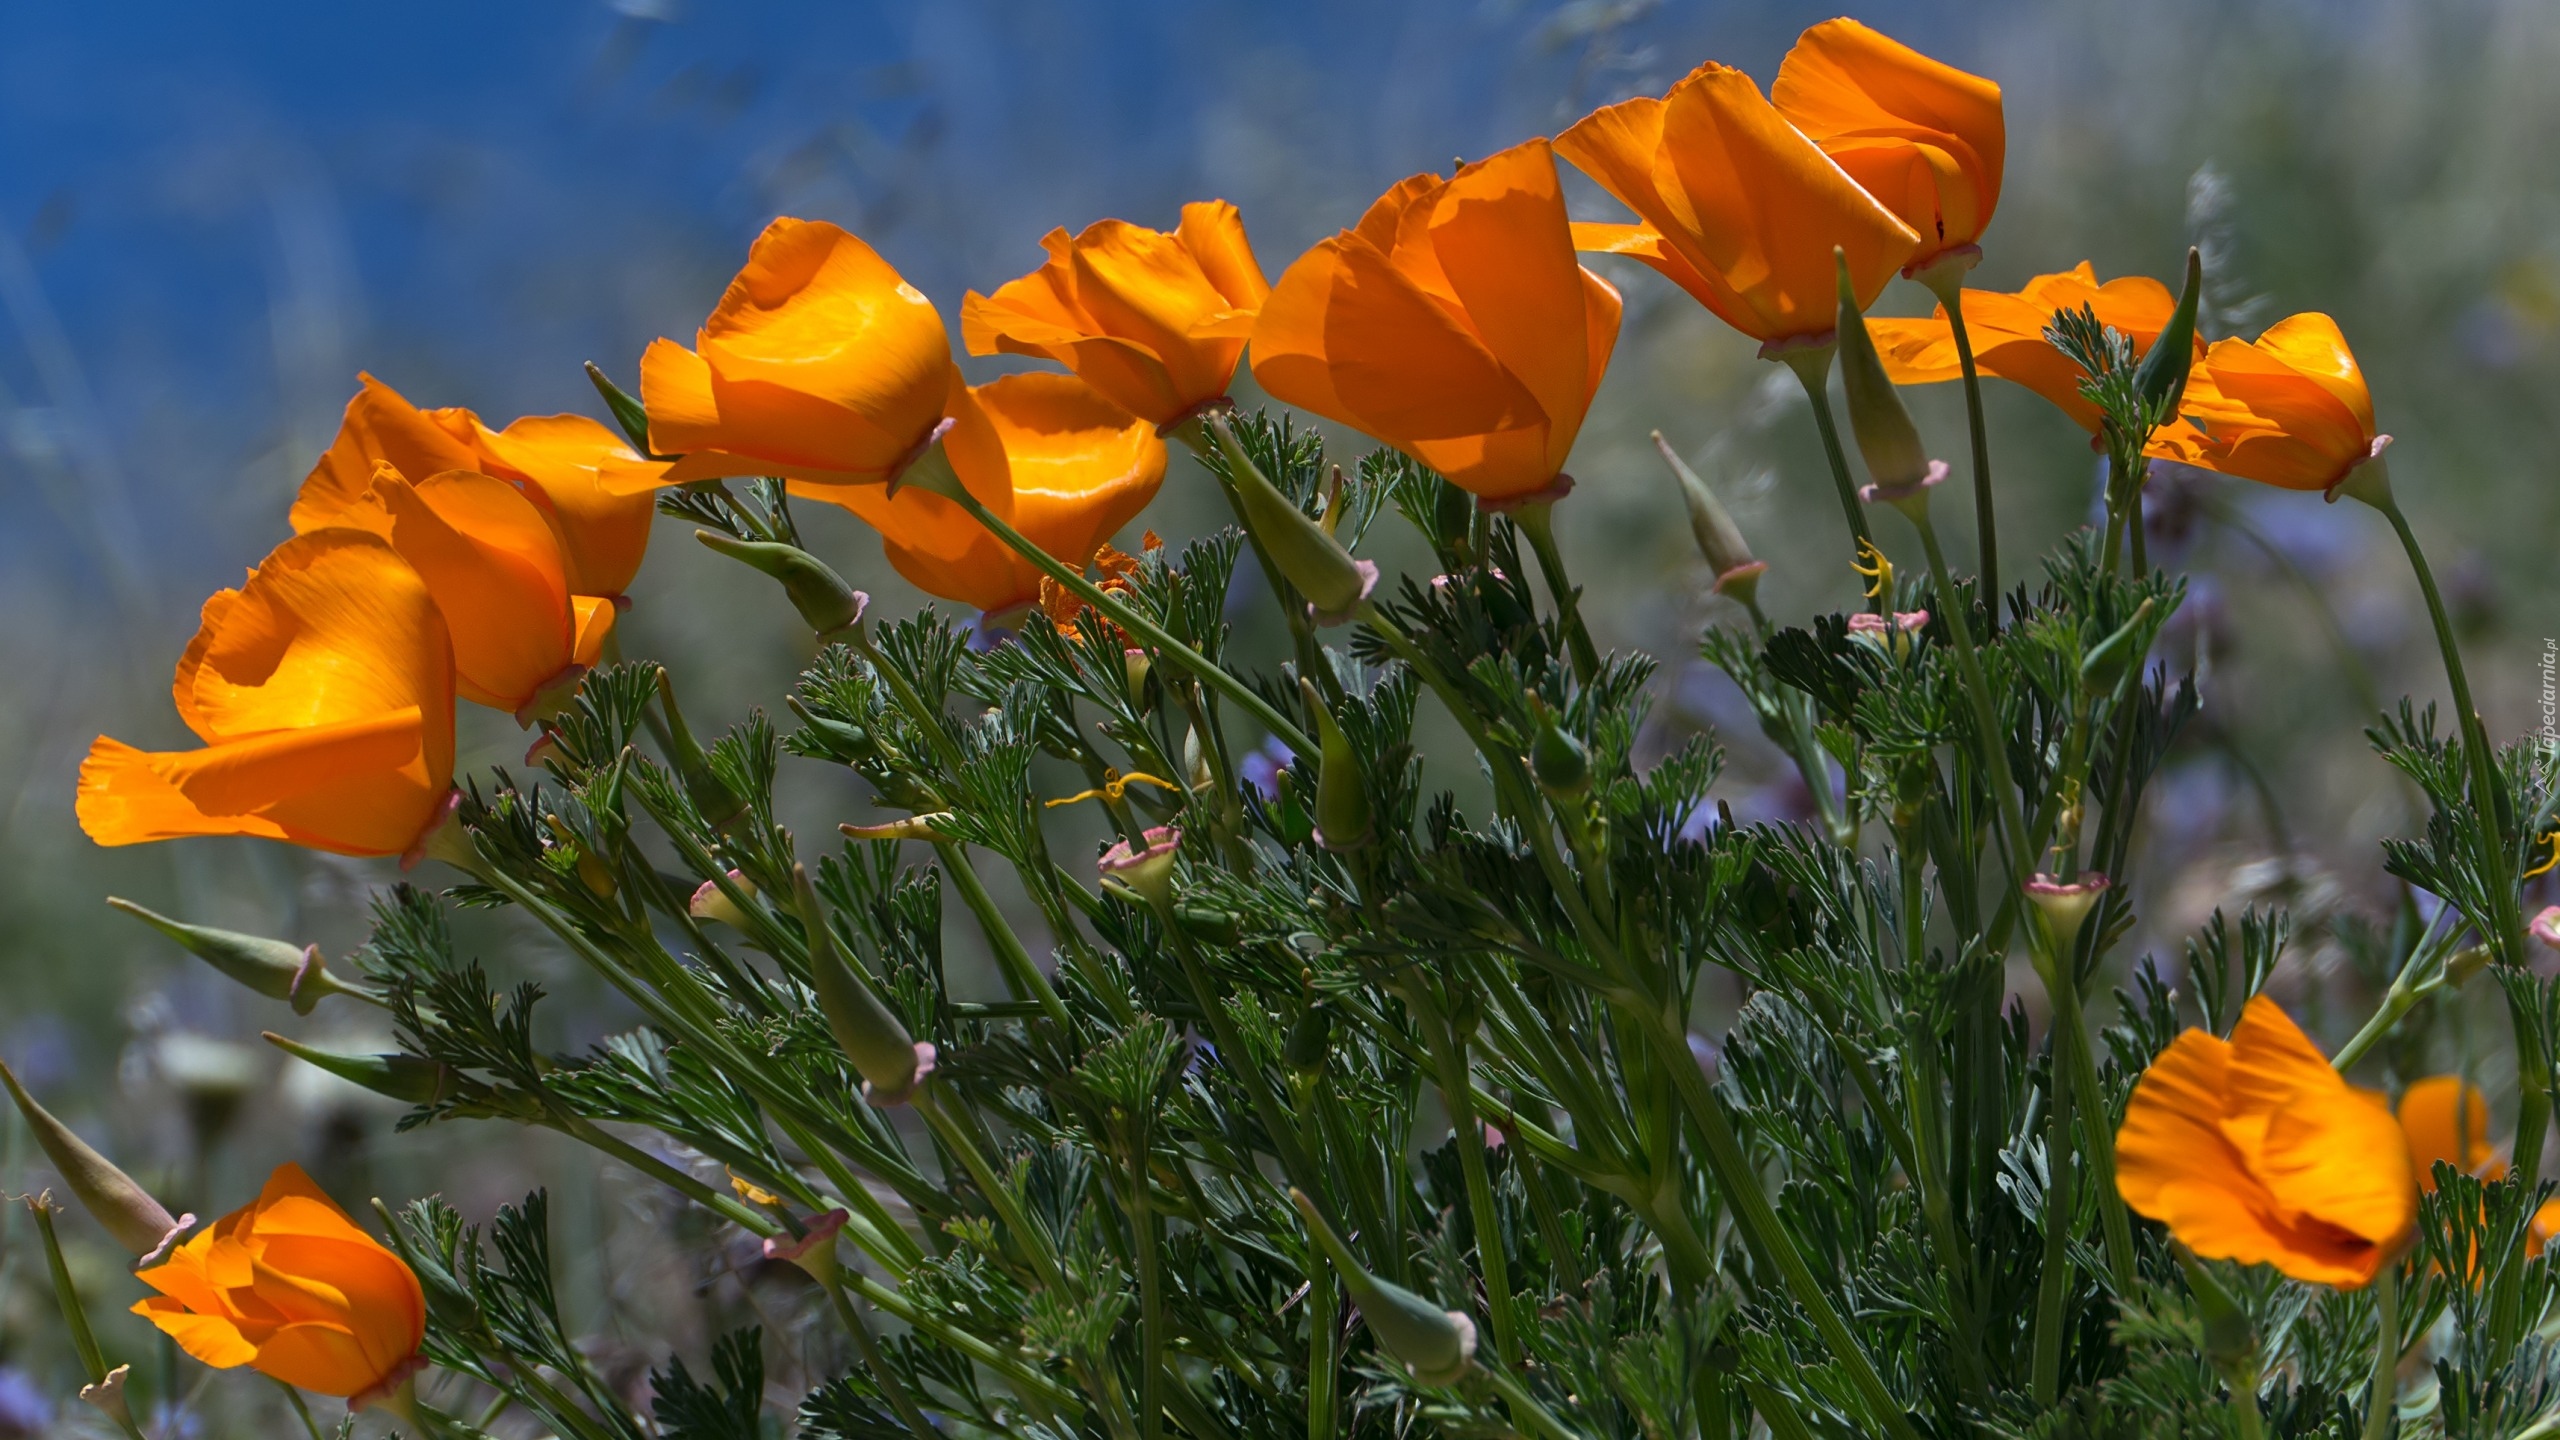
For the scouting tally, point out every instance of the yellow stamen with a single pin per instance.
(1115, 786)
(2550, 861)
(751, 1192)
(1872, 564)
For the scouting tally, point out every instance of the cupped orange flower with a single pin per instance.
(497, 571)
(1736, 206)
(2446, 1120)
(292, 1288)
(2255, 1150)
(1454, 323)
(1923, 137)
(1047, 453)
(1156, 322)
(556, 460)
(323, 689)
(821, 364)
(2008, 334)
(2288, 409)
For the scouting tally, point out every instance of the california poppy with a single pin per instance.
(1156, 322)
(554, 459)
(323, 689)
(1736, 206)
(1922, 137)
(1453, 323)
(2289, 408)
(820, 363)
(1047, 453)
(2008, 334)
(2255, 1150)
(292, 1288)
(2447, 1120)
(497, 571)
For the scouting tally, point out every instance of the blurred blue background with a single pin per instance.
(211, 217)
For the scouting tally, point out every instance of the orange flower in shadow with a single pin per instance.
(493, 563)
(2288, 409)
(2448, 1121)
(1736, 207)
(1924, 138)
(1156, 322)
(2255, 1150)
(1047, 453)
(556, 460)
(820, 363)
(2008, 334)
(1453, 323)
(290, 1287)
(323, 689)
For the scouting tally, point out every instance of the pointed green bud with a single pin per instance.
(1342, 802)
(1897, 463)
(1562, 766)
(2103, 668)
(710, 794)
(138, 1222)
(1307, 555)
(821, 595)
(412, 1078)
(1437, 1345)
(2163, 373)
(276, 969)
(628, 413)
(1210, 923)
(890, 1061)
(1310, 1040)
(1719, 539)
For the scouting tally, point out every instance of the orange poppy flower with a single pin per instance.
(1156, 322)
(1924, 138)
(496, 569)
(2008, 334)
(290, 1287)
(2444, 1119)
(1736, 206)
(323, 689)
(821, 364)
(2288, 409)
(554, 459)
(1454, 324)
(2253, 1149)
(1050, 455)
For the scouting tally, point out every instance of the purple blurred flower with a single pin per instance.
(1262, 765)
(24, 1410)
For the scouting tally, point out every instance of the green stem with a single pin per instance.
(1947, 282)
(2418, 979)
(301, 1411)
(1034, 1243)
(1813, 367)
(2045, 1382)
(1324, 1350)
(1142, 1227)
(1119, 613)
(1525, 1406)
(868, 1347)
(1536, 520)
(1448, 1055)
(2386, 1354)
(1020, 972)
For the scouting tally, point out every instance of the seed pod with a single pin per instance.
(1306, 554)
(890, 1061)
(821, 595)
(1896, 461)
(710, 794)
(1562, 766)
(274, 968)
(412, 1078)
(138, 1222)
(1342, 802)
(1310, 1040)
(1719, 539)
(2163, 373)
(1438, 1345)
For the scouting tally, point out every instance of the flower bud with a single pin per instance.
(1196, 774)
(1136, 666)
(2066, 906)
(710, 902)
(1719, 539)
(1305, 553)
(273, 968)
(2163, 372)
(1562, 766)
(1310, 1040)
(138, 1222)
(1901, 468)
(2103, 668)
(890, 1061)
(628, 413)
(1437, 1345)
(821, 595)
(1210, 923)
(1145, 874)
(1342, 802)
(914, 827)
(710, 794)
(412, 1078)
